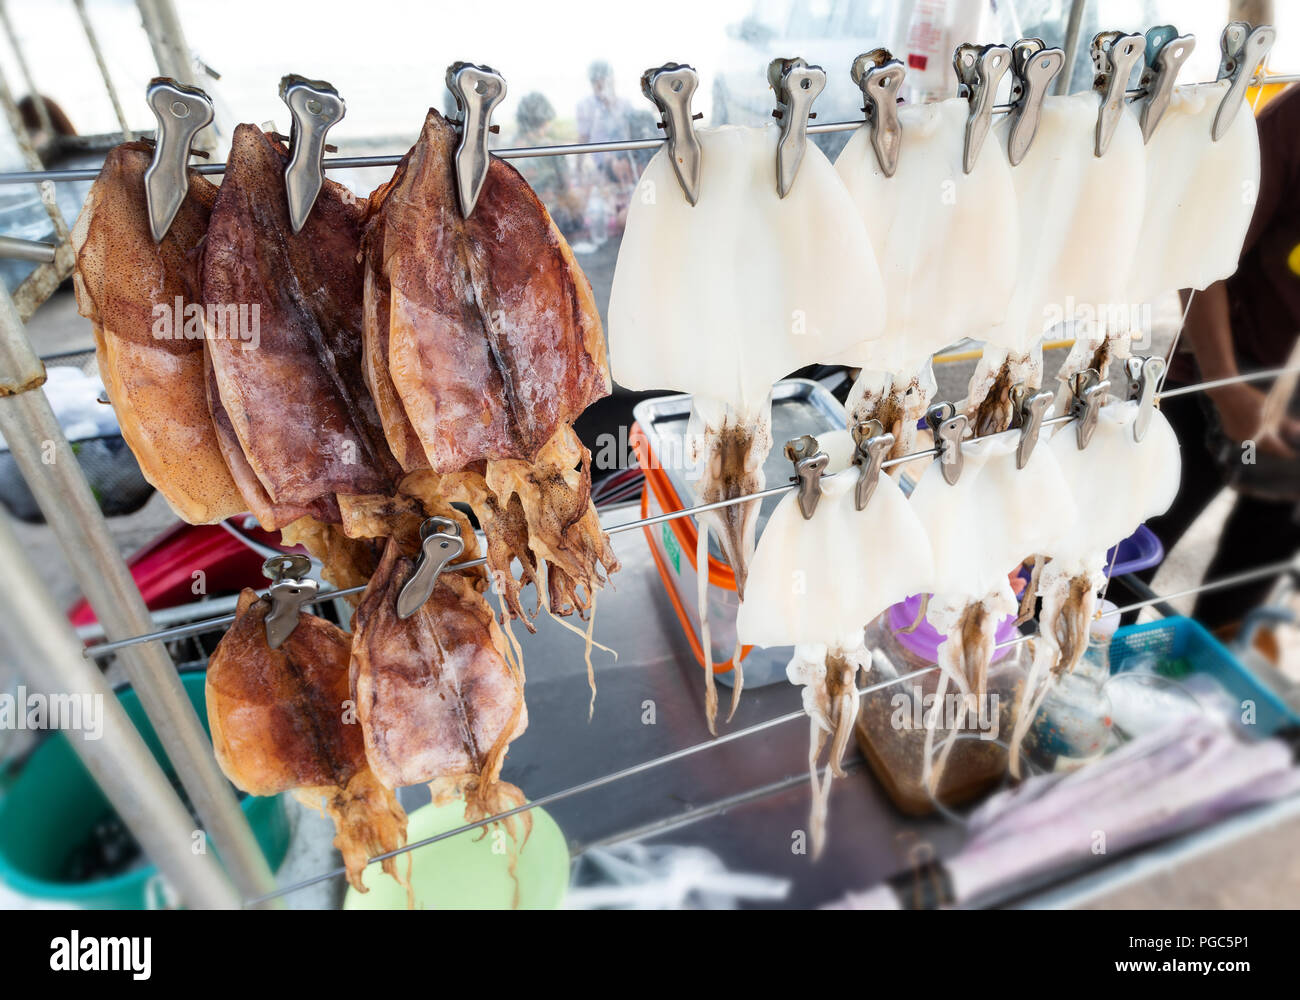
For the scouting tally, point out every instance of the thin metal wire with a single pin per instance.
(1274, 569)
(510, 153)
(105, 649)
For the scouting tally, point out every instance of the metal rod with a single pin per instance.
(38, 102)
(1258, 376)
(47, 463)
(212, 624)
(510, 153)
(40, 639)
(1072, 29)
(15, 249)
(93, 40)
(759, 727)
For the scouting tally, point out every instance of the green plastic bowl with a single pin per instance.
(471, 871)
(53, 805)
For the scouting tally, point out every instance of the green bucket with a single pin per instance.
(53, 806)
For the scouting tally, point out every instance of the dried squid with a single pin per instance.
(294, 395)
(725, 298)
(816, 583)
(1079, 234)
(948, 247)
(981, 528)
(437, 696)
(143, 300)
(1117, 483)
(281, 721)
(482, 345)
(1200, 194)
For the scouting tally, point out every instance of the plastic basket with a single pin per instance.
(1188, 640)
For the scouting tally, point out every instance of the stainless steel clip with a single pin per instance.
(290, 590)
(478, 90)
(870, 446)
(1244, 48)
(316, 108)
(949, 428)
(879, 76)
(1143, 377)
(1114, 54)
(809, 464)
(671, 87)
(440, 543)
(182, 112)
(979, 71)
(1029, 411)
(1033, 68)
(1089, 390)
(1166, 51)
(797, 85)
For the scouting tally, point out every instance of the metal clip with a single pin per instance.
(797, 85)
(1166, 51)
(1033, 68)
(879, 76)
(478, 90)
(1244, 48)
(1029, 411)
(290, 590)
(949, 428)
(809, 464)
(979, 71)
(1114, 54)
(182, 112)
(671, 87)
(1143, 377)
(316, 108)
(870, 446)
(440, 543)
(1089, 390)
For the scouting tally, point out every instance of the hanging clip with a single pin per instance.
(440, 543)
(1166, 51)
(797, 85)
(1143, 377)
(478, 90)
(809, 464)
(316, 108)
(1244, 48)
(671, 87)
(949, 428)
(182, 113)
(1033, 67)
(879, 76)
(1029, 411)
(979, 71)
(1089, 390)
(870, 446)
(290, 590)
(1114, 54)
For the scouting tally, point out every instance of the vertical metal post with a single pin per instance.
(93, 39)
(52, 662)
(172, 53)
(46, 461)
(1072, 28)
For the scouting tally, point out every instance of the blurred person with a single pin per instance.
(1245, 323)
(603, 116)
(549, 176)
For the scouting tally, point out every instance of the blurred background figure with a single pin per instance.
(548, 175)
(1245, 435)
(609, 178)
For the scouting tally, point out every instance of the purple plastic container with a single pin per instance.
(1141, 550)
(924, 642)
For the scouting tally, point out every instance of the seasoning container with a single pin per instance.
(891, 724)
(799, 406)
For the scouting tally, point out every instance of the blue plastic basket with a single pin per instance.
(1186, 639)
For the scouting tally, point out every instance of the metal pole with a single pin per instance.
(47, 463)
(117, 759)
(1072, 28)
(93, 39)
(38, 102)
(172, 53)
